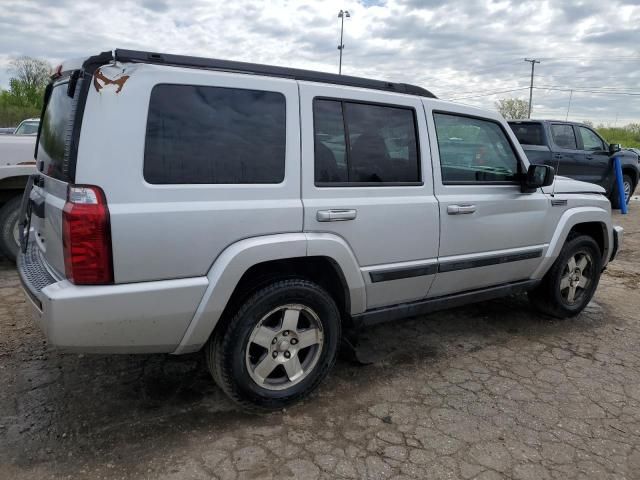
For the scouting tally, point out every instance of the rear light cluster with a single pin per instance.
(86, 236)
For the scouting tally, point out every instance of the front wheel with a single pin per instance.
(9, 228)
(572, 280)
(627, 185)
(278, 347)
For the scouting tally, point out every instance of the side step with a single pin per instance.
(429, 305)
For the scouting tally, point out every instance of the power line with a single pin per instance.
(600, 92)
(488, 94)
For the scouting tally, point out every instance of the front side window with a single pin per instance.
(564, 136)
(590, 140)
(364, 144)
(474, 150)
(214, 135)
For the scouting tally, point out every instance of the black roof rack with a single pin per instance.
(136, 56)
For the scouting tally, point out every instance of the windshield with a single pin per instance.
(27, 128)
(56, 123)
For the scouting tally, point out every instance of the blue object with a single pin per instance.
(618, 168)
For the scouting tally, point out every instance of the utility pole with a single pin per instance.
(569, 106)
(341, 15)
(533, 62)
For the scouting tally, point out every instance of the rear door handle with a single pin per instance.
(589, 157)
(461, 209)
(336, 215)
(557, 156)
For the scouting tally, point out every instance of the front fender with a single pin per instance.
(235, 260)
(569, 219)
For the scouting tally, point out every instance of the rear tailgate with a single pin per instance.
(54, 155)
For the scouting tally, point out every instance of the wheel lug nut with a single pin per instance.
(293, 341)
(273, 342)
(275, 354)
(287, 355)
(285, 333)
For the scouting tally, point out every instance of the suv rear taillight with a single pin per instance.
(86, 236)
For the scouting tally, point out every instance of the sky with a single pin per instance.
(469, 51)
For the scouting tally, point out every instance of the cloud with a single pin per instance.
(455, 48)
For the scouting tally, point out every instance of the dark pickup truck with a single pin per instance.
(575, 150)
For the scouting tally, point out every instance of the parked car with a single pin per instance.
(7, 131)
(262, 213)
(577, 151)
(16, 164)
(27, 127)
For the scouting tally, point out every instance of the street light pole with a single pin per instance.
(533, 62)
(341, 15)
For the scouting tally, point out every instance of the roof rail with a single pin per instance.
(136, 56)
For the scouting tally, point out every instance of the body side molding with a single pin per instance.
(429, 305)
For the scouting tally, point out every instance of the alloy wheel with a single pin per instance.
(627, 191)
(284, 347)
(576, 277)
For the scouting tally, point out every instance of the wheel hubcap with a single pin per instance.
(284, 347)
(576, 278)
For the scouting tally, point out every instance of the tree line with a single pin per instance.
(23, 99)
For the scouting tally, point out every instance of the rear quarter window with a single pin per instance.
(214, 135)
(528, 133)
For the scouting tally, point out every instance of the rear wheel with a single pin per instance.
(9, 228)
(572, 280)
(278, 347)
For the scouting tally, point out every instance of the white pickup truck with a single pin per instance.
(16, 164)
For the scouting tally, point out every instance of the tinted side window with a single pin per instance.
(330, 145)
(212, 135)
(528, 133)
(590, 140)
(564, 136)
(363, 143)
(474, 150)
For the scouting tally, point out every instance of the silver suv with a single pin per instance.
(261, 213)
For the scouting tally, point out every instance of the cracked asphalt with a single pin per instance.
(488, 391)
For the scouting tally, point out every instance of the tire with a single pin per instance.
(553, 295)
(627, 182)
(9, 214)
(254, 342)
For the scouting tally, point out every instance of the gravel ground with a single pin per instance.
(488, 391)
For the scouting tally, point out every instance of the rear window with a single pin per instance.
(528, 133)
(214, 135)
(55, 136)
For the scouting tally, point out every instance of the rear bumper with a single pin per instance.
(145, 317)
(618, 233)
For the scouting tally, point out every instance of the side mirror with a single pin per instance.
(614, 148)
(538, 176)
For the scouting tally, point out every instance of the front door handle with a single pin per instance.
(336, 215)
(460, 209)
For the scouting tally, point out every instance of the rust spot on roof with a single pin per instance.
(100, 81)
